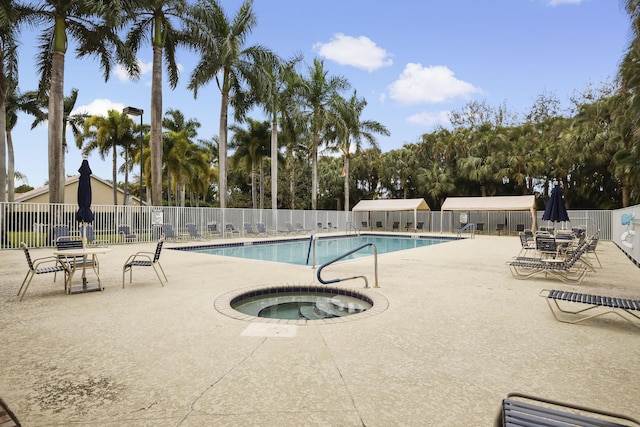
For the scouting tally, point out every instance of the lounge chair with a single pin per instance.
(230, 229)
(546, 245)
(300, 228)
(591, 249)
(126, 234)
(290, 229)
(60, 232)
(420, 226)
(262, 229)
(364, 224)
(409, 226)
(145, 259)
(519, 228)
(193, 231)
(168, 233)
(597, 304)
(527, 243)
(480, 227)
(331, 227)
(86, 231)
(379, 225)
(248, 229)
(212, 230)
(570, 270)
(520, 409)
(50, 264)
(499, 228)
(321, 227)
(395, 226)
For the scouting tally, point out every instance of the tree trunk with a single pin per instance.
(346, 183)
(314, 173)
(274, 167)
(222, 147)
(3, 145)
(261, 185)
(254, 190)
(114, 173)
(156, 128)
(55, 130)
(11, 170)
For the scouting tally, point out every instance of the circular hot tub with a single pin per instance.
(301, 303)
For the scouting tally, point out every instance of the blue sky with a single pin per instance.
(412, 60)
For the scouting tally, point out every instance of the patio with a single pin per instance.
(459, 333)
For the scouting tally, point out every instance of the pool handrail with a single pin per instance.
(366, 282)
(351, 225)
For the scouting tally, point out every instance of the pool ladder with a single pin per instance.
(366, 282)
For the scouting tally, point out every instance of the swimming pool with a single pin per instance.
(294, 251)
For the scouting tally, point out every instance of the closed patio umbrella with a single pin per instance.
(84, 214)
(556, 211)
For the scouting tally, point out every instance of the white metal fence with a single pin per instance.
(33, 223)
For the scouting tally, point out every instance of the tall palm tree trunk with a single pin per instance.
(156, 128)
(274, 168)
(3, 144)
(222, 149)
(114, 172)
(254, 191)
(56, 149)
(346, 183)
(314, 173)
(11, 169)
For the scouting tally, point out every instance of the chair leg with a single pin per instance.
(29, 273)
(161, 269)
(158, 274)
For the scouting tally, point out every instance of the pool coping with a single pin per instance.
(379, 304)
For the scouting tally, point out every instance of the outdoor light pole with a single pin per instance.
(132, 111)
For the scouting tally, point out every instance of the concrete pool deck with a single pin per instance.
(459, 333)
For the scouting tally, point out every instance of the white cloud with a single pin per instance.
(98, 107)
(433, 84)
(359, 52)
(559, 2)
(122, 74)
(429, 119)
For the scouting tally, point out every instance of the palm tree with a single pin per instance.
(239, 71)
(352, 129)
(316, 93)
(283, 81)
(105, 134)
(9, 16)
(251, 145)
(93, 24)
(179, 146)
(398, 171)
(159, 21)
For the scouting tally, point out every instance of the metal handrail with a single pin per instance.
(354, 226)
(366, 282)
(471, 226)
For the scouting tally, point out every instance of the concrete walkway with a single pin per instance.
(459, 333)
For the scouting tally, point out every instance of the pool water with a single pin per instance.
(301, 306)
(327, 249)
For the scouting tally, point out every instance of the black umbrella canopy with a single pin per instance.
(84, 213)
(556, 211)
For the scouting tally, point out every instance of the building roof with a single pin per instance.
(391, 205)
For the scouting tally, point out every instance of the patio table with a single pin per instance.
(83, 253)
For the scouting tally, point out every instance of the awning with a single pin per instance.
(393, 205)
(495, 203)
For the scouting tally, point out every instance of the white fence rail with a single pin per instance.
(33, 223)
